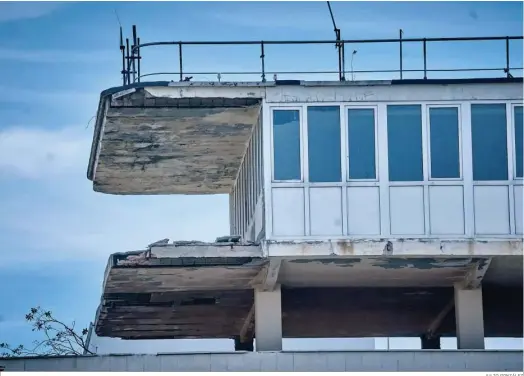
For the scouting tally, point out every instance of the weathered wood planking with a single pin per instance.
(318, 313)
(169, 279)
(163, 150)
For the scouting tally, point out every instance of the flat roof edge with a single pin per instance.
(104, 96)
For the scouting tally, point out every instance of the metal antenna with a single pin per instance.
(339, 45)
(122, 49)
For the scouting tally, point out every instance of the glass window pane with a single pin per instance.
(361, 143)
(405, 143)
(444, 142)
(324, 143)
(286, 145)
(489, 141)
(519, 135)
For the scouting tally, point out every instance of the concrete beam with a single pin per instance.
(418, 247)
(268, 320)
(267, 279)
(469, 317)
(475, 275)
(206, 250)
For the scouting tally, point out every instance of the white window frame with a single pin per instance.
(306, 146)
(428, 141)
(272, 109)
(514, 139)
(509, 143)
(345, 136)
(423, 140)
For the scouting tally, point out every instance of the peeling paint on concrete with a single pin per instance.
(342, 262)
(413, 247)
(421, 263)
(172, 150)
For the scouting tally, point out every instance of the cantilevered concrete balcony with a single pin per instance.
(205, 290)
(158, 139)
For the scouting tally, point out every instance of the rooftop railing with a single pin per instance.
(132, 57)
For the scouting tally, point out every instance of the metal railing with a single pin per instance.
(131, 56)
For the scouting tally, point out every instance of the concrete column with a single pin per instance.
(469, 318)
(268, 320)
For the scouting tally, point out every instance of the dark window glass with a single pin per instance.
(324, 143)
(519, 152)
(444, 142)
(286, 145)
(361, 143)
(405, 143)
(489, 141)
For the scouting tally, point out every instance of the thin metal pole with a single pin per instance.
(425, 60)
(400, 38)
(262, 56)
(122, 50)
(342, 46)
(180, 60)
(508, 74)
(127, 58)
(133, 53)
(138, 58)
(337, 45)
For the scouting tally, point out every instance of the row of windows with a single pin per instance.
(404, 137)
(249, 183)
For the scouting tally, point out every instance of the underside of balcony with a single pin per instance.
(150, 142)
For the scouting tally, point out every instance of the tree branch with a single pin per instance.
(60, 338)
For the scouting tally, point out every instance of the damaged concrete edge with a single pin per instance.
(393, 247)
(184, 249)
(103, 102)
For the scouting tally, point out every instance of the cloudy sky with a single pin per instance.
(55, 58)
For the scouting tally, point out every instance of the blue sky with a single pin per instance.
(56, 58)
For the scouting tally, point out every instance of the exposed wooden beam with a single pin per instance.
(435, 324)
(247, 331)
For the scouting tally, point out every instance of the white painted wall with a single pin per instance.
(427, 360)
(439, 209)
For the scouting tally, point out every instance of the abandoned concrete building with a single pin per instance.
(357, 209)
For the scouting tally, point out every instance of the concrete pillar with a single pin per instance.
(469, 318)
(268, 320)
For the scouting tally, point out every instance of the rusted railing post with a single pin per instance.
(262, 56)
(425, 60)
(180, 61)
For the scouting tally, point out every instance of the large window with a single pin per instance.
(405, 143)
(286, 145)
(444, 142)
(519, 134)
(323, 126)
(361, 143)
(489, 141)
